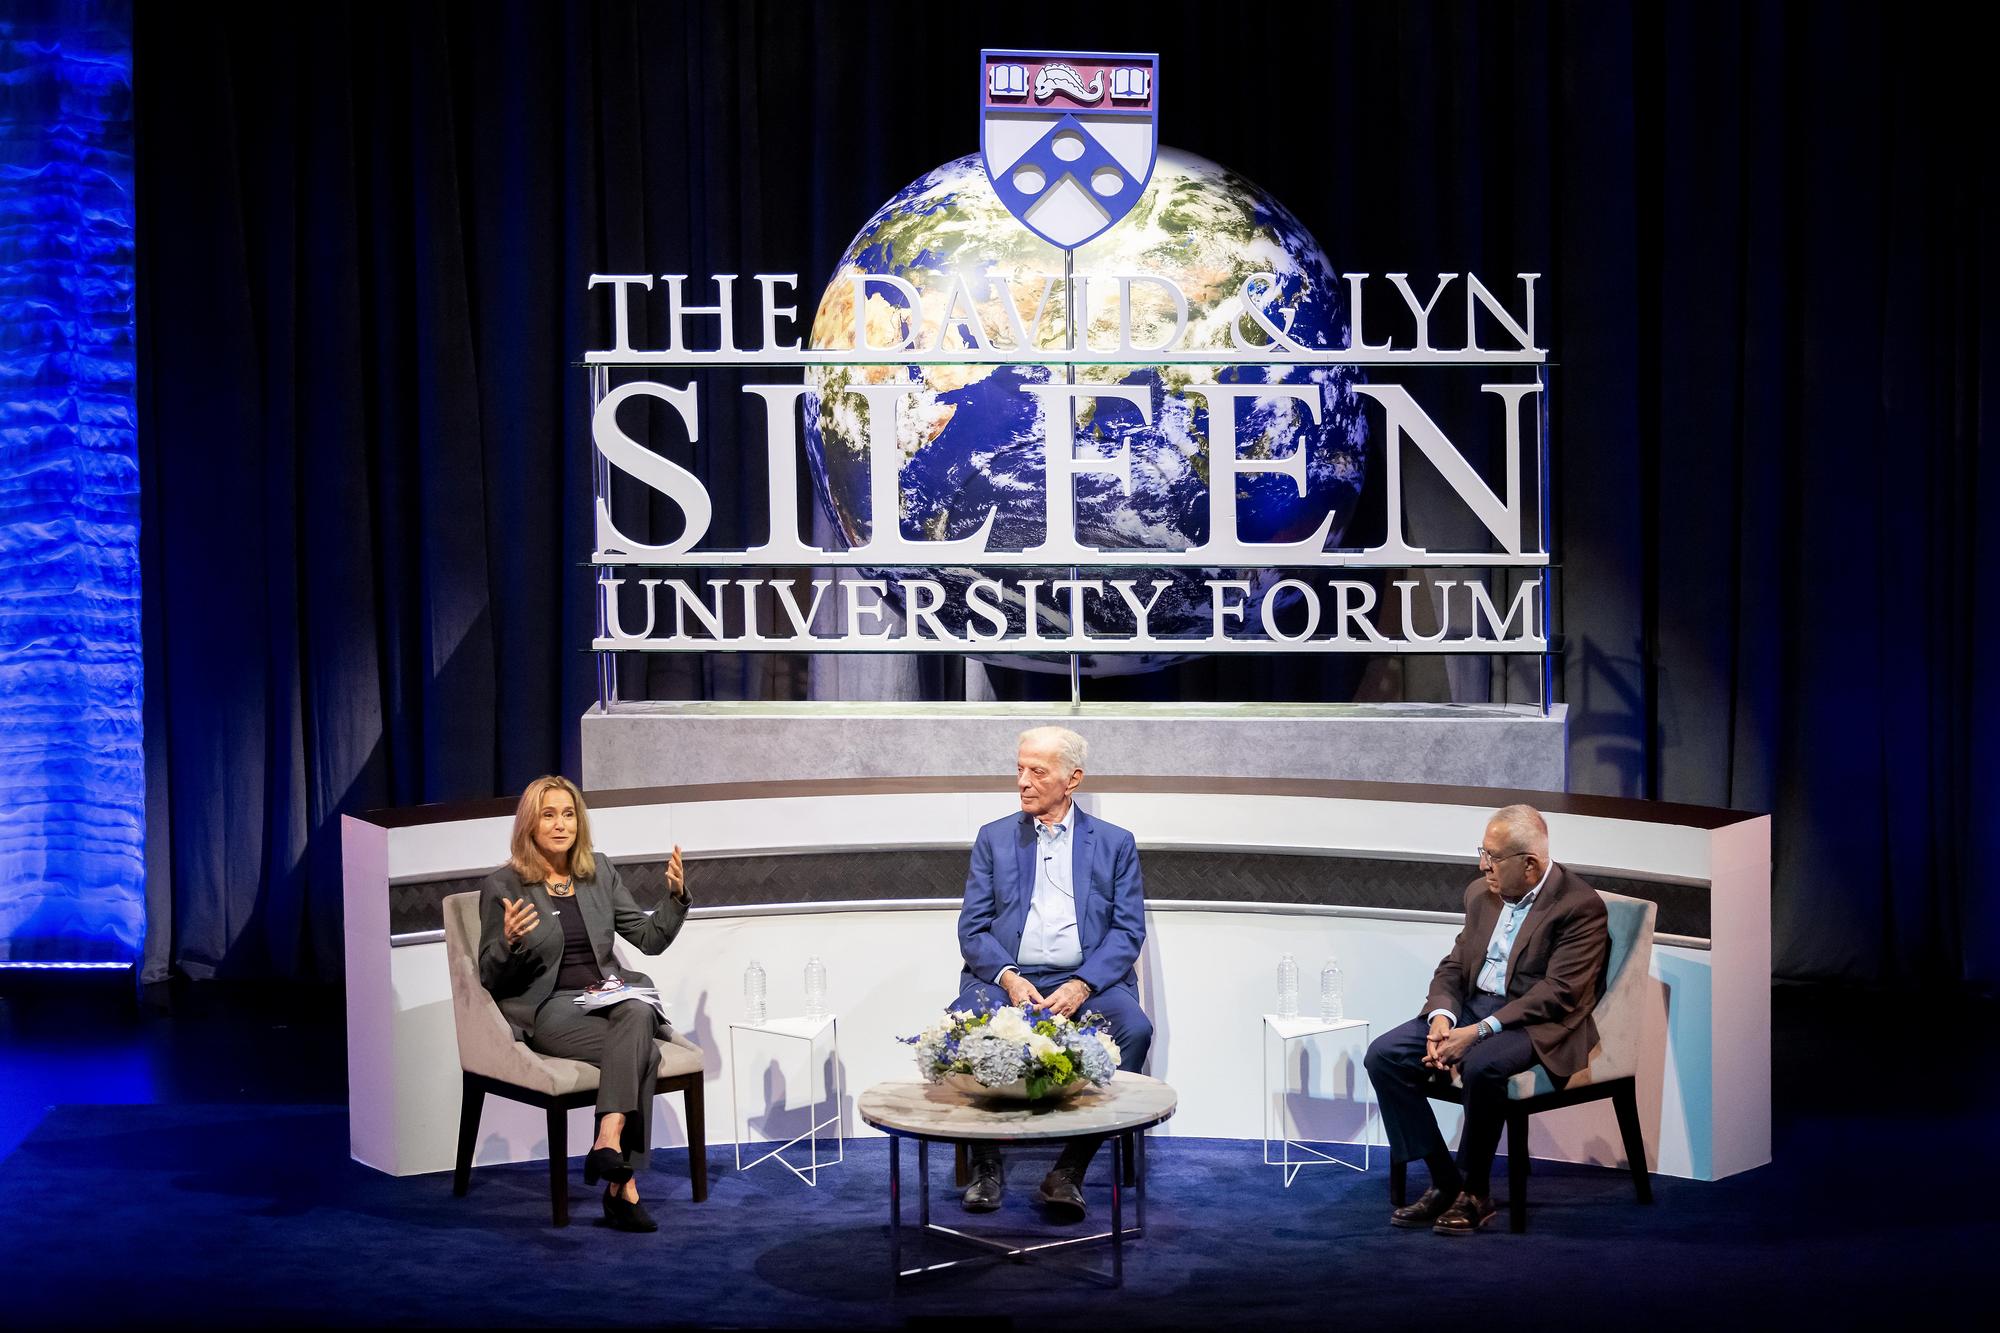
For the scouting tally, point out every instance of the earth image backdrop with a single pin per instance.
(972, 440)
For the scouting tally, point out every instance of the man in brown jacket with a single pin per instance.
(1517, 988)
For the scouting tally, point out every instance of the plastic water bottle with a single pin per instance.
(1288, 987)
(753, 993)
(815, 988)
(1331, 1008)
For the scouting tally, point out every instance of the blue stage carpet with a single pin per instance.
(253, 1214)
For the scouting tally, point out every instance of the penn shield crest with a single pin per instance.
(1068, 139)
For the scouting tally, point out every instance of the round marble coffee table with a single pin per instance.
(928, 1113)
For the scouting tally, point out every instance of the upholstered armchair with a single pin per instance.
(1612, 1072)
(494, 1062)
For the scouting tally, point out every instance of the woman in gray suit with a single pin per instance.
(546, 921)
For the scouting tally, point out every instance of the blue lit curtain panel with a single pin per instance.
(72, 768)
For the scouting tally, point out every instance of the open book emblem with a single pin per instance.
(1069, 140)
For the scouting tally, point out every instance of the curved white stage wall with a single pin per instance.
(1207, 971)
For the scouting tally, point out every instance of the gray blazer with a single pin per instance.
(522, 978)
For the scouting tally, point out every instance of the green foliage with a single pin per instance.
(1054, 1073)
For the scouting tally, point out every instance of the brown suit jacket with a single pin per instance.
(1554, 974)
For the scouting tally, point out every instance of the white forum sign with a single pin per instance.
(997, 613)
(1069, 143)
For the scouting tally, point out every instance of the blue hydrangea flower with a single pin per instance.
(1090, 1055)
(992, 1061)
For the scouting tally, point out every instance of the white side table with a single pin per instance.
(808, 1035)
(1287, 1032)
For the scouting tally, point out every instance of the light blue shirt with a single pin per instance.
(1493, 973)
(1049, 938)
(1492, 979)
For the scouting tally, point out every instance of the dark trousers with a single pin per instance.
(1396, 1067)
(1130, 1028)
(618, 1039)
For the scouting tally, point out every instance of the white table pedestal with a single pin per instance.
(806, 1034)
(1285, 1033)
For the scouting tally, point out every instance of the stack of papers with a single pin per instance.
(613, 990)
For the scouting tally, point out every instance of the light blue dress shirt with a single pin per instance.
(1492, 977)
(1049, 938)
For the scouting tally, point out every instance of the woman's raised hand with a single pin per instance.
(521, 919)
(677, 874)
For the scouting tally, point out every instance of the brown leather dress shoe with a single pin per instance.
(1424, 1212)
(1467, 1214)
(1063, 1194)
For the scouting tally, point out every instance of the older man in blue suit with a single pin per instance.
(1055, 915)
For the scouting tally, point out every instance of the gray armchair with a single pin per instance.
(1612, 1073)
(493, 1062)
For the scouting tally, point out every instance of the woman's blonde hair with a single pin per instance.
(526, 857)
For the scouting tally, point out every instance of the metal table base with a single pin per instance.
(993, 1251)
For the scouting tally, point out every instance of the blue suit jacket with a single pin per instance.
(1000, 886)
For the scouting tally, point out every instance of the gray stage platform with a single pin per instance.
(662, 744)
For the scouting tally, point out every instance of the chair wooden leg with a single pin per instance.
(559, 1164)
(697, 1132)
(470, 1105)
(1625, 1101)
(1398, 1182)
(961, 1165)
(1517, 1172)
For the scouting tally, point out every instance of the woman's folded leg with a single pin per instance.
(619, 1041)
(627, 1075)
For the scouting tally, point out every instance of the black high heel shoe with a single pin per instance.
(625, 1216)
(607, 1164)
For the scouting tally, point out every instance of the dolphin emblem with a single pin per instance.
(1052, 79)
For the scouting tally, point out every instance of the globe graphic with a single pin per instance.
(973, 441)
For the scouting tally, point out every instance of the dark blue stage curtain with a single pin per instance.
(1768, 238)
(72, 760)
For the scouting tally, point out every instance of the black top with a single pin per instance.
(579, 960)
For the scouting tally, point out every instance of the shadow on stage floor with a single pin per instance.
(188, 1164)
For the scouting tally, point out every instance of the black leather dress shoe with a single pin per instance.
(983, 1194)
(628, 1216)
(1063, 1193)
(1468, 1213)
(607, 1164)
(1424, 1212)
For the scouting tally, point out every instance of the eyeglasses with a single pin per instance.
(1487, 858)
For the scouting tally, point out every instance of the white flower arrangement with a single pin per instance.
(1027, 1051)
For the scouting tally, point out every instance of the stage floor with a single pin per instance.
(191, 1167)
